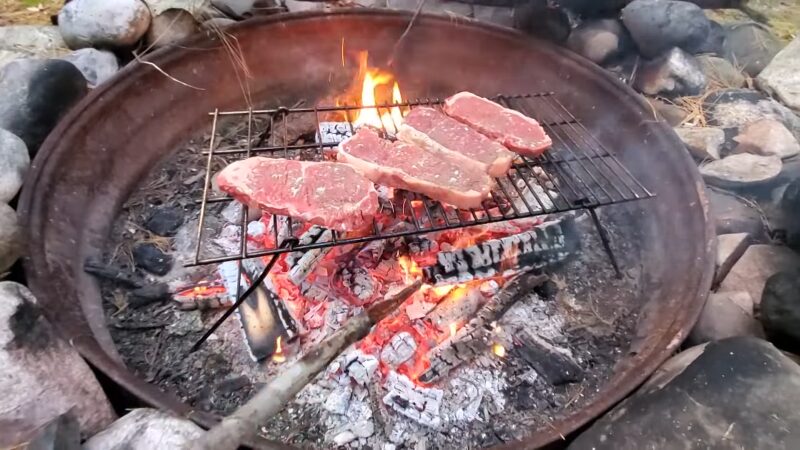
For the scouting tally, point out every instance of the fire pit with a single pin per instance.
(475, 343)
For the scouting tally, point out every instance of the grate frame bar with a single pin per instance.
(582, 172)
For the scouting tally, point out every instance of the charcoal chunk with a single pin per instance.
(150, 258)
(165, 220)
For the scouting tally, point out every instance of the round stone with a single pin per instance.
(95, 65)
(780, 309)
(103, 23)
(11, 237)
(741, 170)
(14, 162)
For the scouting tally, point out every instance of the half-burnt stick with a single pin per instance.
(243, 425)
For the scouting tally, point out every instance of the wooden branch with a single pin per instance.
(243, 424)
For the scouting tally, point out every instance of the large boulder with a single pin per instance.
(736, 393)
(750, 46)
(732, 215)
(43, 41)
(658, 25)
(767, 137)
(34, 94)
(676, 73)
(757, 264)
(103, 23)
(11, 237)
(725, 314)
(96, 65)
(42, 376)
(780, 309)
(730, 247)
(14, 162)
(599, 40)
(742, 170)
(145, 429)
(781, 77)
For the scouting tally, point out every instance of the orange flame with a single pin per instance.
(278, 356)
(410, 268)
(499, 350)
(374, 82)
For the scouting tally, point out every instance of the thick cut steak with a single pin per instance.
(432, 130)
(406, 166)
(324, 193)
(516, 131)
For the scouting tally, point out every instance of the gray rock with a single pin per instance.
(721, 72)
(658, 25)
(736, 393)
(723, 316)
(11, 237)
(61, 433)
(432, 6)
(498, 15)
(6, 56)
(702, 142)
(238, 9)
(14, 162)
(674, 74)
(734, 108)
(42, 376)
(713, 44)
(302, 5)
(750, 47)
(145, 429)
(781, 77)
(43, 41)
(171, 27)
(780, 309)
(758, 263)
(96, 65)
(730, 247)
(732, 215)
(34, 94)
(599, 40)
(103, 23)
(741, 171)
(672, 114)
(767, 137)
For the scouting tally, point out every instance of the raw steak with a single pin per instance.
(406, 166)
(432, 130)
(328, 194)
(511, 128)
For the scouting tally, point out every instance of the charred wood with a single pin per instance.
(472, 339)
(546, 245)
(555, 365)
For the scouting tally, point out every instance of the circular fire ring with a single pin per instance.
(94, 159)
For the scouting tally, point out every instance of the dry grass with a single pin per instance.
(28, 12)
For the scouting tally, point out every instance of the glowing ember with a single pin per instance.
(278, 356)
(374, 84)
(410, 268)
(453, 329)
(499, 350)
(202, 291)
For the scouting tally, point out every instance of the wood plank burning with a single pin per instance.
(548, 244)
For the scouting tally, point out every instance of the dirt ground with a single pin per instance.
(28, 12)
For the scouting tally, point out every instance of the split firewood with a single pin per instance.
(473, 338)
(243, 424)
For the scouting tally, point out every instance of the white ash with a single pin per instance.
(360, 366)
(399, 349)
(489, 288)
(535, 315)
(359, 281)
(338, 400)
(333, 132)
(419, 404)
(345, 437)
(463, 400)
(229, 239)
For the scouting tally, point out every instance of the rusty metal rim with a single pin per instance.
(32, 200)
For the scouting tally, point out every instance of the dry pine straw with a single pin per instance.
(28, 12)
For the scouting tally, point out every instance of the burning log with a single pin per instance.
(418, 403)
(472, 339)
(547, 244)
(204, 296)
(306, 263)
(244, 424)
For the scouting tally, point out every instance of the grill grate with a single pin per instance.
(578, 172)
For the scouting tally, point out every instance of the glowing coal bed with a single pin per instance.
(467, 364)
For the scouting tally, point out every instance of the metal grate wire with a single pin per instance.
(580, 171)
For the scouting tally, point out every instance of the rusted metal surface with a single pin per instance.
(93, 160)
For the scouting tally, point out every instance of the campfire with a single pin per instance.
(478, 328)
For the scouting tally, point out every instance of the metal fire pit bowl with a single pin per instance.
(94, 159)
